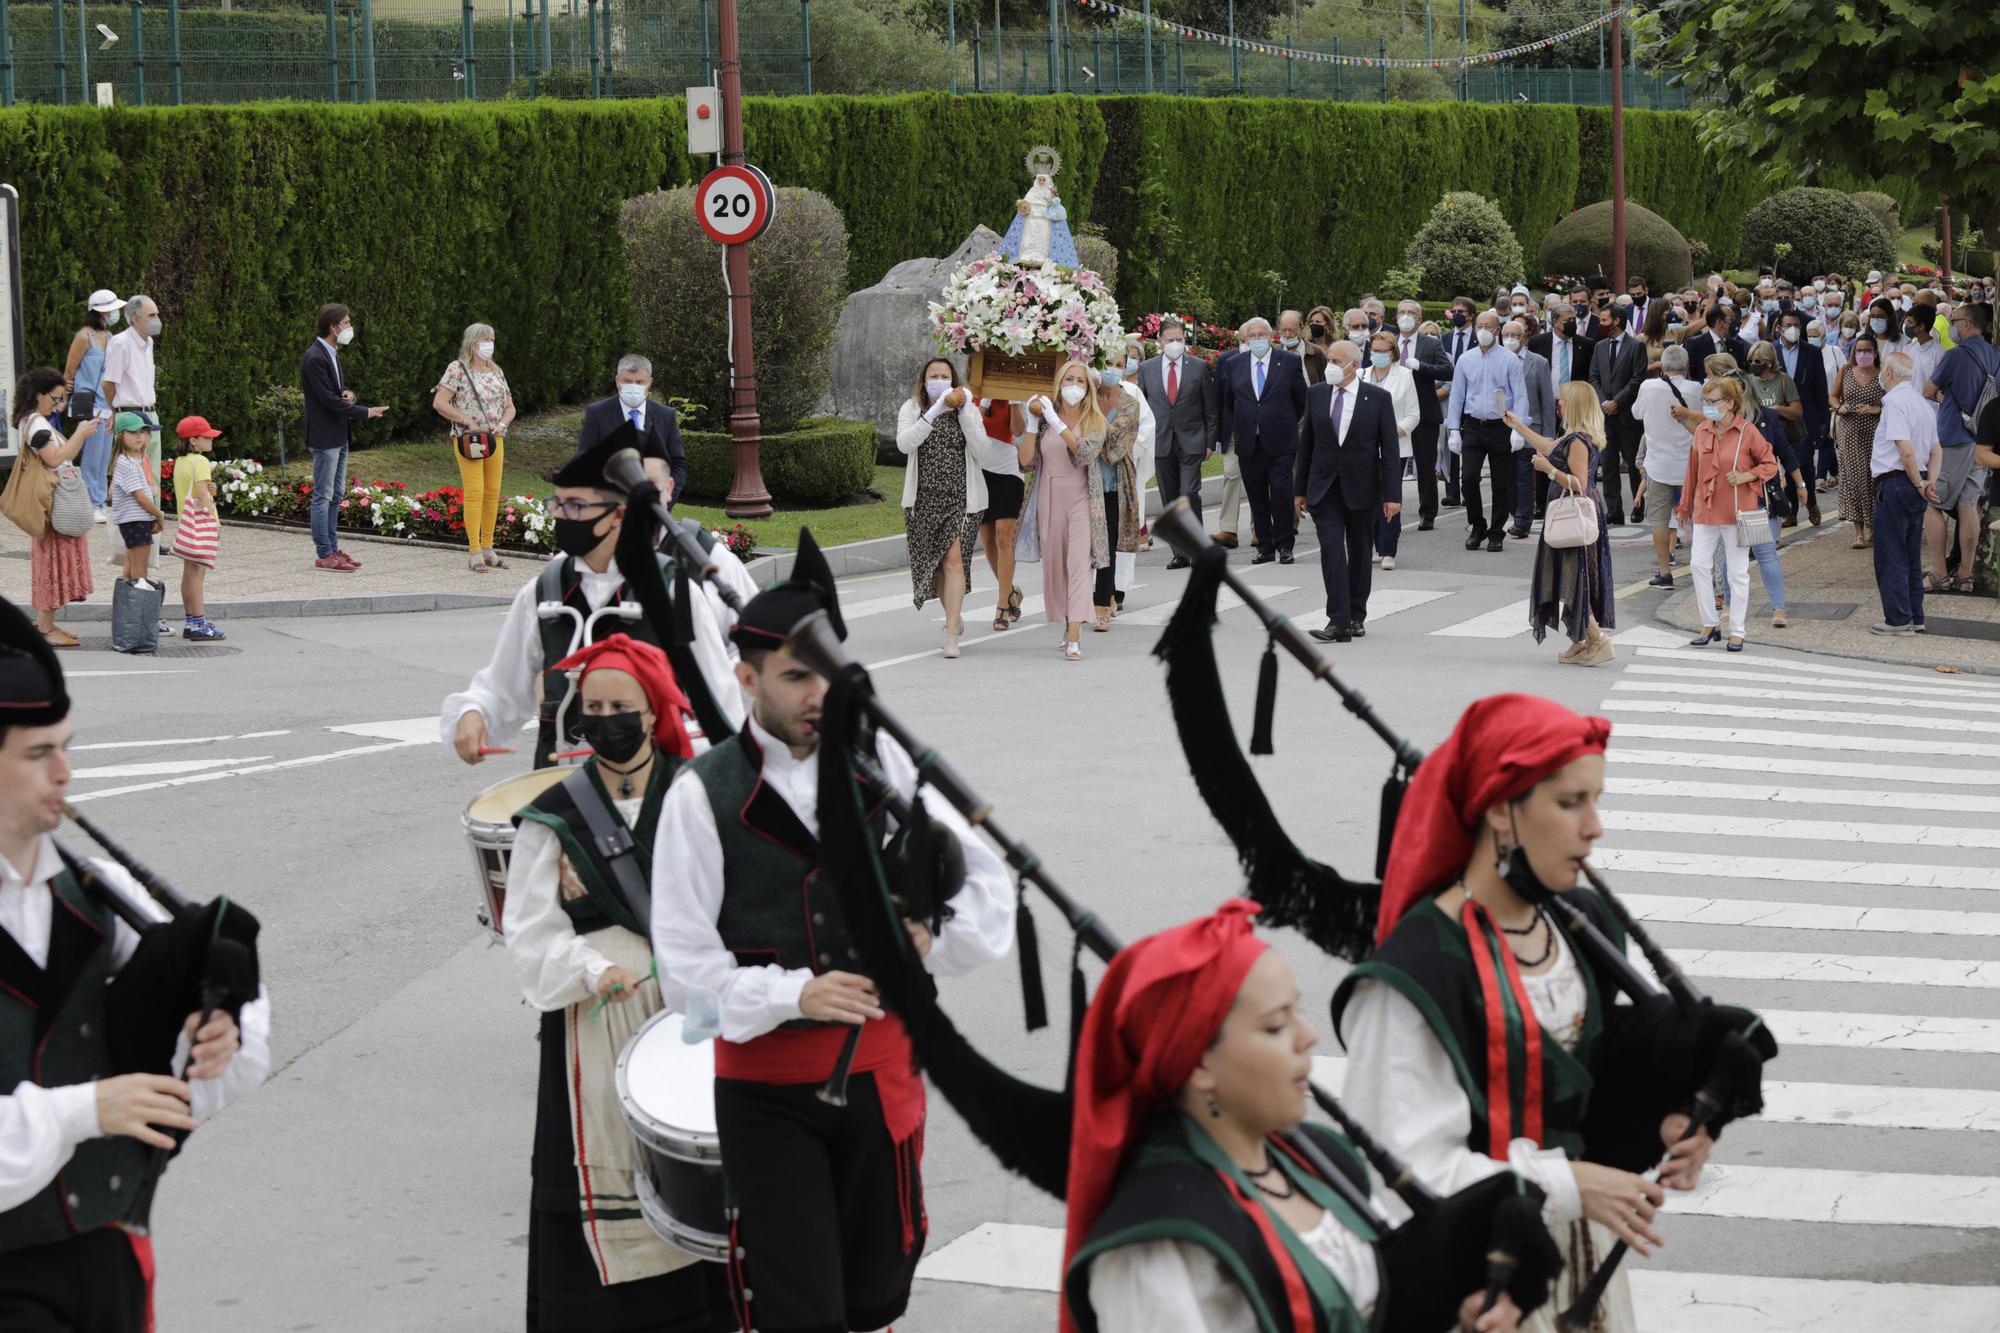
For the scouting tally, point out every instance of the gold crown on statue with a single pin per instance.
(1043, 160)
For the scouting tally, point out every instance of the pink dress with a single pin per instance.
(1063, 500)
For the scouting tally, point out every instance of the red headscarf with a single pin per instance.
(1502, 746)
(1156, 1012)
(647, 665)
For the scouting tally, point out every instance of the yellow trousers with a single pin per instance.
(481, 480)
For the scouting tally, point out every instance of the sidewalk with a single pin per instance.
(1830, 592)
(269, 572)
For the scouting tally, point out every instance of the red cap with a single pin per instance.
(193, 427)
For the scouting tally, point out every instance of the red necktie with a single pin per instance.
(1173, 381)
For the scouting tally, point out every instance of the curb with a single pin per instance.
(289, 608)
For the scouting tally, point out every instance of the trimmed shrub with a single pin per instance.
(1581, 243)
(825, 461)
(1466, 247)
(1884, 208)
(1703, 195)
(1825, 230)
(679, 313)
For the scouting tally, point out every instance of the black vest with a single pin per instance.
(556, 810)
(52, 1034)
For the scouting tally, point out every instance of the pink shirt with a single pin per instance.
(1715, 454)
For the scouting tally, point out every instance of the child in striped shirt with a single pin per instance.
(198, 533)
(133, 508)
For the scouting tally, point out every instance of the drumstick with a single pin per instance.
(573, 754)
(495, 749)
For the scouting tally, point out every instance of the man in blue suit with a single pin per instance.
(1802, 361)
(1263, 397)
(1350, 466)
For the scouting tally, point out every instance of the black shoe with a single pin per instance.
(1178, 562)
(1473, 539)
(1263, 557)
(1284, 557)
(1639, 513)
(1663, 579)
(1358, 630)
(1615, 520)
(1328, 634)
(1708, 636)
(1425, 525)
(1495, 543)
(1519, 534)
(1452, 502)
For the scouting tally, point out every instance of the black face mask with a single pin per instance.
(1458, 319)
(1521, 878)
(614, 736)
(578, 536)
(1567, 328)
(1319, 330)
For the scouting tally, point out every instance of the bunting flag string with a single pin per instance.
(1328, 58)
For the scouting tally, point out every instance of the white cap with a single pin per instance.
(1520, 289)
(1874, 275)
(104, 301)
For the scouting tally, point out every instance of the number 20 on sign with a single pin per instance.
(735, 204)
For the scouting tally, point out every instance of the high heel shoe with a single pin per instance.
(1708, 636)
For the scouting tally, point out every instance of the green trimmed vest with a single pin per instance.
(52, 1034)
(1428, 960)
(1178, 1186)
(556, 810)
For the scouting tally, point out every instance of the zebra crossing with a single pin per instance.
(1816, 841)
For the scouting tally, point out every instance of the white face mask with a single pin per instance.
(1792, 333)
(1511, 344)
(345, 336)
(1172, 350)
(1132, 364)
(937, 388)
(485, 350)
(1485, 337)
(1359, 337)
(632, 395)
(1407, 323)
(1289, 341)
(1259, 346)
(1072, 394)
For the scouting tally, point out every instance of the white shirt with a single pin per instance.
(1906, 415)
(1177, 1286)
(128, 364)
(506, 690)
(1667, 439)
(1576, 358)
(40, 1128)
(1402, 389)
(555, 966)
(687, 896)
(1260, 366)
(1925, 356)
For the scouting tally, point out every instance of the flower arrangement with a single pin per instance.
(1204, 340)
(995, 303)
(740, 540)
(386, 508)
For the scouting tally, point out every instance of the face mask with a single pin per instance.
(1131, 364)
(1567, 328)
(1817, 342)
(936, 388)
(1359, 337)
(1407, 323)
(1511, 344)
(614, 736)
(1458, 319)
(1879, 325)
(1713, 411)
(1864, 359)
(151, 328)
(1770, 305)
(485, 351)
(577, 536)
(1172, 350)
(1379, 359)
(1792, 334)
(1072, 394)
(1910, 330)
(111, 318)
(634, 396)
(1485, 337)
(1289, 341)
(1318, 331)
(1259, 346)
(1519, 311)
(1112, 376)
(1373, 323)
(1905, 303)
(344, 337)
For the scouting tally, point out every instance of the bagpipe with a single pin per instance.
(1489, 1236)
(1678, 1051)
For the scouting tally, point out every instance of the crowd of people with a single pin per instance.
(1584, 395)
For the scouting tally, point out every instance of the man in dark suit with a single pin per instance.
(1617, 369)
(1264, 395)
(657, 427)
(1349, 467)
(1180, 390)
(1430, 366)
(1458, 340)
(330, 406)
(1564, 345)
(1802, 361)
(1635, 314)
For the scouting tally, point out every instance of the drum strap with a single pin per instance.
(616, 849)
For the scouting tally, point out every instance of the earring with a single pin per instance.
(1214, 1111)
(1503, 859)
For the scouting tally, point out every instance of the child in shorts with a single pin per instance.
(133, 508)
(198, 531)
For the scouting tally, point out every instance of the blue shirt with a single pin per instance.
(1961, 378)
(1475, 378)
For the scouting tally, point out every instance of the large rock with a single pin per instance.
(884, 335)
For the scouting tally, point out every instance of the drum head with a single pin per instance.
(500, 802)
(669, 1080)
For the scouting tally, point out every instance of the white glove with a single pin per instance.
(1457, 443)
(935, 409)
(1515, 442)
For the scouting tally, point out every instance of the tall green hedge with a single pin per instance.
(1668, 171)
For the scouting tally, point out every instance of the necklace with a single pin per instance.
(1547, 952)
(624, 776)
(1528, 929)
(1271, 1168)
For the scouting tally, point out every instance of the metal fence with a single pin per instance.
(62, 51)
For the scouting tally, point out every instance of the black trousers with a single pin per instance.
(1103, 590)
(1424, 447)
(1267, 480)
(1178, 475)
(1620, 464)
(824, 1197)
(86, 1284)
(1453, 476)
(1485, 446)
(1345, 535)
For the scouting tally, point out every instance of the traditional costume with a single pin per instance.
(84, 997)
(521, 682)
(1466, 1066)
(827, 1201)
(578, 884)
(1167, 1234)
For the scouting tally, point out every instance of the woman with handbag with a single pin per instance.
(1728, 465)
(473, 396)
(1571, 585)
(83, 372)
(46, 498)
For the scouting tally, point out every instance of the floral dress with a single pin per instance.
(938, 518)
(1853, 438)
(1570, 587)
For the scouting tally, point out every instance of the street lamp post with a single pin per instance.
(1618, 149)
(748, 497)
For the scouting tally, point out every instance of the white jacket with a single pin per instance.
(1402, 387)
(913, 427)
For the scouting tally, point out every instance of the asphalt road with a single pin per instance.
(1836, 820)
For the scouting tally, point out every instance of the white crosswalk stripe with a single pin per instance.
(1705, 691)
(1815, 830)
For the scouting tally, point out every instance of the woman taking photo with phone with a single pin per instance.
(1066, 430)
(1571, 586)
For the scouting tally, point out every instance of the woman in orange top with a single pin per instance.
(1728, 465)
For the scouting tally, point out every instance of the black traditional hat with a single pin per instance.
(586, 467)
(770, 617)
(31, 680)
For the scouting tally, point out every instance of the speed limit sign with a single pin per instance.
(736, 204)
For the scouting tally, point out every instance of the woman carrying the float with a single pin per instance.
(1187, 1212)
(1439, 1055)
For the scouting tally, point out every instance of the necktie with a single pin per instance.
(1260, 379)
(1173, 382)
(1406, 351)
(1339, 402)
(638, 423)
(1562, 363)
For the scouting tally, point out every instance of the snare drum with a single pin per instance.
(667, 1090)
(489, 825)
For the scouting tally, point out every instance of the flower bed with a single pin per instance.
(248, 489)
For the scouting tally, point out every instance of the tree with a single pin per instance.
(1465, 248)
(1875, 90)
(1530, 21)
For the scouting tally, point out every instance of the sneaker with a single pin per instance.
(1662, 579)
(1388, 563)
(347, 560)
(333, 564)
(1886, 628)
(163, 628)
(203, 632)
(100, 515)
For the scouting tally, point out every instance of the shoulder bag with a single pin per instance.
(1753, 526)
(1571, 519)
(70, 513)
(474, 445)
(30, 489)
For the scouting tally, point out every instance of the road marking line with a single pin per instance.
(1970, 684)
(1795, 740)
(1625, 756)
(191, 779)
(1819, 1194)
(1709, 708)
(1503, 622)
(1848, 969)
(160, 768)
(1728, 869)
(145, 671)
(1720, 674)
(1929, 802)
(1225, 600)
(1731, 1303)
(414, 730)
(1816, 830)
(184, 740)
(1706, 691)
(1885, 1032)
(1810, 916)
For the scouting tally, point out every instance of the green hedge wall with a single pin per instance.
(1668, 171)
(826, 461)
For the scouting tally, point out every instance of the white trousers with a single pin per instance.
(1735, 562)
(1232, 494)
